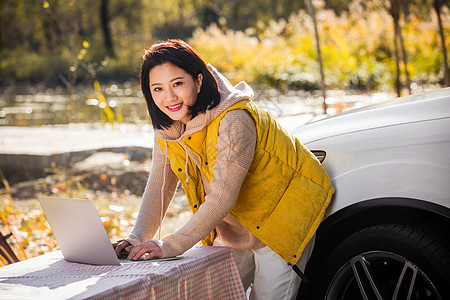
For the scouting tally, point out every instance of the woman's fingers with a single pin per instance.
(149, 249)
(120, 245)
(138, 251)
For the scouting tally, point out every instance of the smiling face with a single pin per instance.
(174, 90)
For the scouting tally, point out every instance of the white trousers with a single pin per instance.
(271, 276)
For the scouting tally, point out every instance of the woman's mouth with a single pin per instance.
(175, 107)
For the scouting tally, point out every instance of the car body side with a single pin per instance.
(388, 163)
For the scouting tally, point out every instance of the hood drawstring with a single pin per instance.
(186, 165)
(187, 160)
(162, 192)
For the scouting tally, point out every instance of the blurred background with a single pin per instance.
(74, 123)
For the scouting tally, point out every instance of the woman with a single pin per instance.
(250, 184)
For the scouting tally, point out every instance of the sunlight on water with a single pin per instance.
(128, 105)
(51, 109)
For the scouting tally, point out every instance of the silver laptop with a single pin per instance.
(79, 231)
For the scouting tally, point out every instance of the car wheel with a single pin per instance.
(389, 261)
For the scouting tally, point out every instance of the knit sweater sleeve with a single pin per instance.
(149, 216)
(235, 151)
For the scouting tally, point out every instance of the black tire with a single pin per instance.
(379, 255)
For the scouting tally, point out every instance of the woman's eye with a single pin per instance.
(157, 89)
(178, 83)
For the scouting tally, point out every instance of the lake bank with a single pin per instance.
(26, 152)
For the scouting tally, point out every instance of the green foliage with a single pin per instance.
(264, 42)
(357, 52)
(24, 66)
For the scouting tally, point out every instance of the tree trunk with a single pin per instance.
(404, 58)
(437, 7)
(235, 17)
(207, 13)
(104, 17)
(2, 43)
(319, 55)
(274, 4)
(395, 13)
(79, 18)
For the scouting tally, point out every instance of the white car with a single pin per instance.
(387, 230)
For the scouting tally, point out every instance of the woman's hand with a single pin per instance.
(122, 245)
(148, 249)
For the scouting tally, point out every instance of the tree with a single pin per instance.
(208, 12)
(437, 7)
(104, 17)
(405, 5)
(338, 6)
(395, 13)
(423, 9)
(319, 56)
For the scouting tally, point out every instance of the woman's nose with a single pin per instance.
(171, 95)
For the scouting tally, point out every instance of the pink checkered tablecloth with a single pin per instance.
(202, 273)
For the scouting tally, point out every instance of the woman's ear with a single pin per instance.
(199, 82)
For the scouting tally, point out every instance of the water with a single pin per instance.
(128, 105)
(49, 108)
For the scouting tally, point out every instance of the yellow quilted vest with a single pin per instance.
(284, 195)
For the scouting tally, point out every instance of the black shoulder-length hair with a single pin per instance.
(184, 56)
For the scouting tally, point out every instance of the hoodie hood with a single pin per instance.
(229, 95)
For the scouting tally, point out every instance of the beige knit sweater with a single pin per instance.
(235, 151)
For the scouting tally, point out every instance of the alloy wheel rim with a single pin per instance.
(381, 275)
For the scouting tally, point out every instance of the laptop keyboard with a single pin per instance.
(155, 259)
